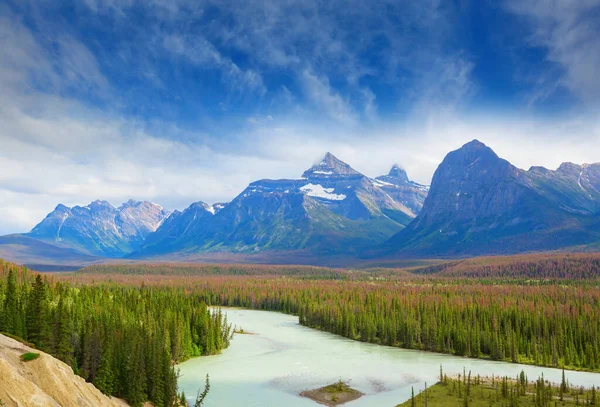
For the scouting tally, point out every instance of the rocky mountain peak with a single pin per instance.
(131, 204)
(199, 206)
(470, 153)
(330, 166)
(398, 173)
(538, 169)
(100, 205)
(61, 208)
(569, 168)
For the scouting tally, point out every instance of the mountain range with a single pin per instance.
(478, 203)
(330, 209)
(100, 229)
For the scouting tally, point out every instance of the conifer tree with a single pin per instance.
(38, 328)
(201, 396)
(10, 315)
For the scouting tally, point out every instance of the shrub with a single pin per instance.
(29, 356)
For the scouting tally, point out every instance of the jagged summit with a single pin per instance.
(132, 203)
(100, 204)
(61, 208)
(398, 173)
(199, 205)
(330, 166)
(398, 177)
(471, 152)
(474, 144)
(401, 189)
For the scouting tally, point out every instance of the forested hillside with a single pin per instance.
(125, 340)
(539, 266)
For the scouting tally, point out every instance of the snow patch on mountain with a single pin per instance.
(380, 183)
(318, 191)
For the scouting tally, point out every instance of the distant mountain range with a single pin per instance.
(100, 229)
(331, 209)
(478, 203)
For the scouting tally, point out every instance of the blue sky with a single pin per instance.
(184, 100)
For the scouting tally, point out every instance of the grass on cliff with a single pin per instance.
(29, 356)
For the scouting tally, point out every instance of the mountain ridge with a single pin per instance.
(100, 229)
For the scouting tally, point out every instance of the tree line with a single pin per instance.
(547, 325)
(125, 340)
(569, 266)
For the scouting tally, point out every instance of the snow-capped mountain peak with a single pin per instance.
(330, 167)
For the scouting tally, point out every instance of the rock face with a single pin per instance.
(479, 203)
(99, 228)
(44, 382)
(331, 209)
(403, 190)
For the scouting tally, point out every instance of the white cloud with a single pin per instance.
(203, 53)
(325, 97)
(331, 50)
(570, 33)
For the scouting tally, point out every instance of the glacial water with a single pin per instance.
(281, 358)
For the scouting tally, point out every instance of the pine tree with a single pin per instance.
(38, 328)
(105, 379)
(201, 396)
(136, 374)
(468, 390)
(563, 385)
(63, 349)
(10, 316)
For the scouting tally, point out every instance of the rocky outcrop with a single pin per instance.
(44, 382)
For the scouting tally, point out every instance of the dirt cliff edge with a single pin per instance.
(44, 382)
